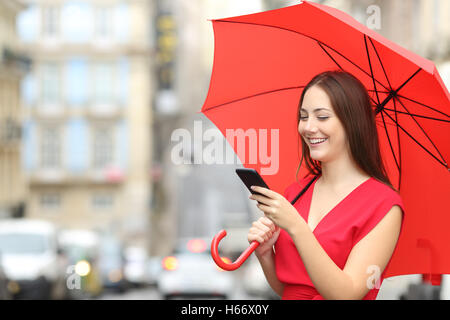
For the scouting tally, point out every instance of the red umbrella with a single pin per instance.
(261, 63)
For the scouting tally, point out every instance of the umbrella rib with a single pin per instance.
(416, 115)
(379, 91)
(417, 142)
(424, 105)
(381, 62)
(399, 149)
(305, 35)
(418, 124)
(390, 144)
(252, 96)
(365, 72)
(394, 93)
(329, 55)
(374, 102)
(404, 83)
(371, 70)
(334, 60)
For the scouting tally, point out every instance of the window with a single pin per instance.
(103, 82)
(102, 201)
(76, 81)
(26, 23)
(104, 23)
(77, 18)
(50, 83)
(21, 243)
(51, 200)
(50, 21)
(103, 146)
(51, 147)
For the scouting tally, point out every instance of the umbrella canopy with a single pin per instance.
(262, 63)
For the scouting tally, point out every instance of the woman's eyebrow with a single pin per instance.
(316, 110)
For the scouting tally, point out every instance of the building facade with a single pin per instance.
(421, 26)
(13, 66)
(87, 102)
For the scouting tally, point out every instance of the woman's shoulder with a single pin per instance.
(381, 194)
(375, 201)
(382, 189)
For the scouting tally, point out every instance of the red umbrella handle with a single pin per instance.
(239, 261)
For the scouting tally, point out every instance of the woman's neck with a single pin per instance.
(341, 173)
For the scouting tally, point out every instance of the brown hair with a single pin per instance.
(352, 105)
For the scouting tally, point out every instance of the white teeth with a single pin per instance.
(315, 141)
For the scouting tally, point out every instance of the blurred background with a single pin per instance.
(92, 205)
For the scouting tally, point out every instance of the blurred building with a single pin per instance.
(189, 198)
(13, 66)
(421, 26)
(87, 101)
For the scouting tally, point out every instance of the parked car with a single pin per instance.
(112, 264)
(191, 272)
(254, 281)
(31, 259)
(396, 288)
(4, 292)
(154, 267)
(82, 250)
(136, 270)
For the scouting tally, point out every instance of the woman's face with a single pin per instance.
(320, 128)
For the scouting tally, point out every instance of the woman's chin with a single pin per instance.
(317, 157)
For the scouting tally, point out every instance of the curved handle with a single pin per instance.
(239, 261)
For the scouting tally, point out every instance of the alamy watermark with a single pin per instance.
(374, 280)
(73, 279)
(258, 146)
(374, 19)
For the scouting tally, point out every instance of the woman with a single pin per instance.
(337, 239)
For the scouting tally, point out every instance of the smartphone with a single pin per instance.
(251, 177)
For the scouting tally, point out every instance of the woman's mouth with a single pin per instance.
(316, 141)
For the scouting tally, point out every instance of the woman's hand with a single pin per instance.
(266, 233)
(276, 207)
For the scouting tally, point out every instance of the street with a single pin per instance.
(151, 293)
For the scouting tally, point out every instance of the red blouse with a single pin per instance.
(338, 232)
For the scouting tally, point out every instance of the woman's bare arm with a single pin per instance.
(267, 263)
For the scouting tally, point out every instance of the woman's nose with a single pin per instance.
(310, 126)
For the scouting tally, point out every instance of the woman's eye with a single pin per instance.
(322, 118)
(303, 117)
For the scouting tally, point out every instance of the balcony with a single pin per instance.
(104, 110)
(60, 176)
(15, 59)
(49, 176)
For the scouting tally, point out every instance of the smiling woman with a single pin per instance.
(345, 109)
(336, 241)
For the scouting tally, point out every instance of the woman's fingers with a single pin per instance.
(261, 230)
(269, 223)
(258, 235)
(264, 191)
(255, 235)
(261, 199)
(268, 211)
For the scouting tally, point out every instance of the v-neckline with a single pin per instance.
(310, 195)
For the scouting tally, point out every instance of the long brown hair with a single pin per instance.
(352, 105)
